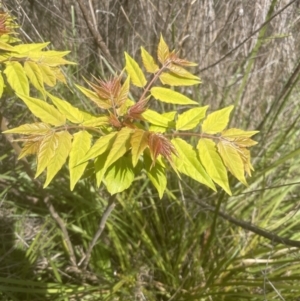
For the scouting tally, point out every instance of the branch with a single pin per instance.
(248, 226)
(96, 34)
(110, 207)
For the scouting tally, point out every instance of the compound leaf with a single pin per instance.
(148, 61)
(102, 103)
(156, 118)
(101, 145)
(80, 146)
(213, 163)
(170, 96)
(217, 121)
(120, 146)
(25, 48)
(190, 119)
(188, 163)
(96, 121)
(173, 79)
(38, 128)
(73, 114)
(156, 174)
(61, 154)
(232, 160)
(6, 47)
(46, 151)
(48, 74)
(139, 141)
(178, 70)
(163, 52)
(47, 113)
(30, 147)
(135, 72)
(99, 167)
(35, 76)
(119, 176)
(16, 77)
(237, 133)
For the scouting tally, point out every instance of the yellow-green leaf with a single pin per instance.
(16, 77)
(156, 118)
(35, 75)
(30, 147)
(170, 96)
(47, 113)
(120, 146)
(101, 145)
(163, 52)
(134, 71)
(173, 79)
(236, 133)
(119, 176)
(213, 163)
(122, 97)
(50, 58)
(171, 124)
(104, 104)
(72, 113)
(38, 128)
(6, 38)
(242, 141)
(156, 175)
(26, 48)
(46, 151)
(96, 121)
(232, 160)
(178, 70)
(48, 74)
(1, 84)
(139, 141)
(190, 119)
(7, 47)
(189, 164)
(148, 61)
(99, 168)
(61, 154)
(59, 75)
(217, 121)
(80, 146)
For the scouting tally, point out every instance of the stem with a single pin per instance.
(250, 227)
(110, 207)
(155, 77)
(189, 134)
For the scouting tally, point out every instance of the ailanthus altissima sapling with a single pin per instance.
(127, 137)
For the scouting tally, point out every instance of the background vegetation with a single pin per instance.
(179, 248)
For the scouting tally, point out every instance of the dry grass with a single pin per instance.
(251, 75)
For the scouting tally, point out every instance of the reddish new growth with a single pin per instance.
(135, 112)
(160, 145)
(107, 90)
(4, 29)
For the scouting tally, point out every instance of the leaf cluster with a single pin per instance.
(126, 137)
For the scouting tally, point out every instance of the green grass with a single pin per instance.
(174, 248)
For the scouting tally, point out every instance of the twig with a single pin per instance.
(39, 186)
(248, 226)
(110, 207)
(96, 34)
